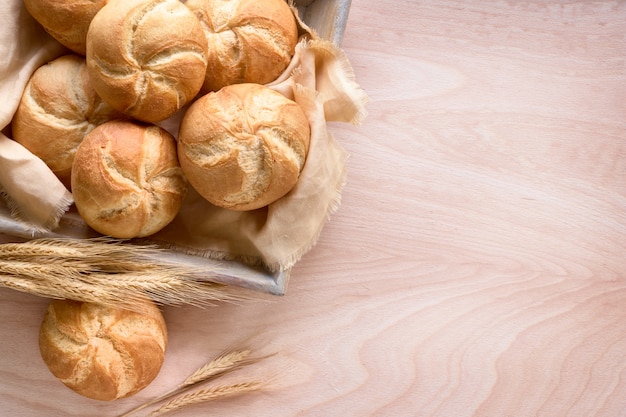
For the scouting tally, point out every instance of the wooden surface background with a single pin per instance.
(477, 265)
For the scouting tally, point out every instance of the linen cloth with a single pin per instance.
(319, 78)
(35, 196)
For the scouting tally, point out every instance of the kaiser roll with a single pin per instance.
(244, 146)
(249, 41)
(147, 58)
(58, 108)
(66, 20)
(101, 352)
(126, 180)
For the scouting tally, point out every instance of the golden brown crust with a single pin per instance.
(244, 146)
(101, 352)
(249, 41)
(58, 108)
(66, 20)
(126, 179)
(147, 58)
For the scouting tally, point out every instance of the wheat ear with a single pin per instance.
(227, 362)
(108, 272)
(204, 395)
(223, 364)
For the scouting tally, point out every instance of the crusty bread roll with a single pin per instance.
(147, 58)
(244, 146)
(126, 180)
(66, 20)
(58, 108)
(101, 352)
(250, 41)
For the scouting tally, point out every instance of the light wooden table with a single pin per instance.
(477, 265)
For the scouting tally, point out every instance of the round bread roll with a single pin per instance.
(147, 58)
(66, 20)
(126, 180)
(244, 146)
(58, 108)
(101, 352)
(250, 41)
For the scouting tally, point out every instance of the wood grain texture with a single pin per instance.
(476, 267)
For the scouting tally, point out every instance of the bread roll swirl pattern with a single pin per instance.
(249, 41)
(101, 352)
(147, 58)
(244, 146)
(126, 179)
(57, 109)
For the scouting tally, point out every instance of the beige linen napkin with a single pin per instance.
(320, 79)
(35, 196)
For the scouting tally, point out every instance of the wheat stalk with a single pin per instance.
(219, 366)
(107, 272)
(206, 394)
(223, 364)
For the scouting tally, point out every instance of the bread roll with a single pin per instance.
(58, 108)
(147, 58)
(126, 180)
(250, 41)
(66, 20)
(100, 352)
(244, 146)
